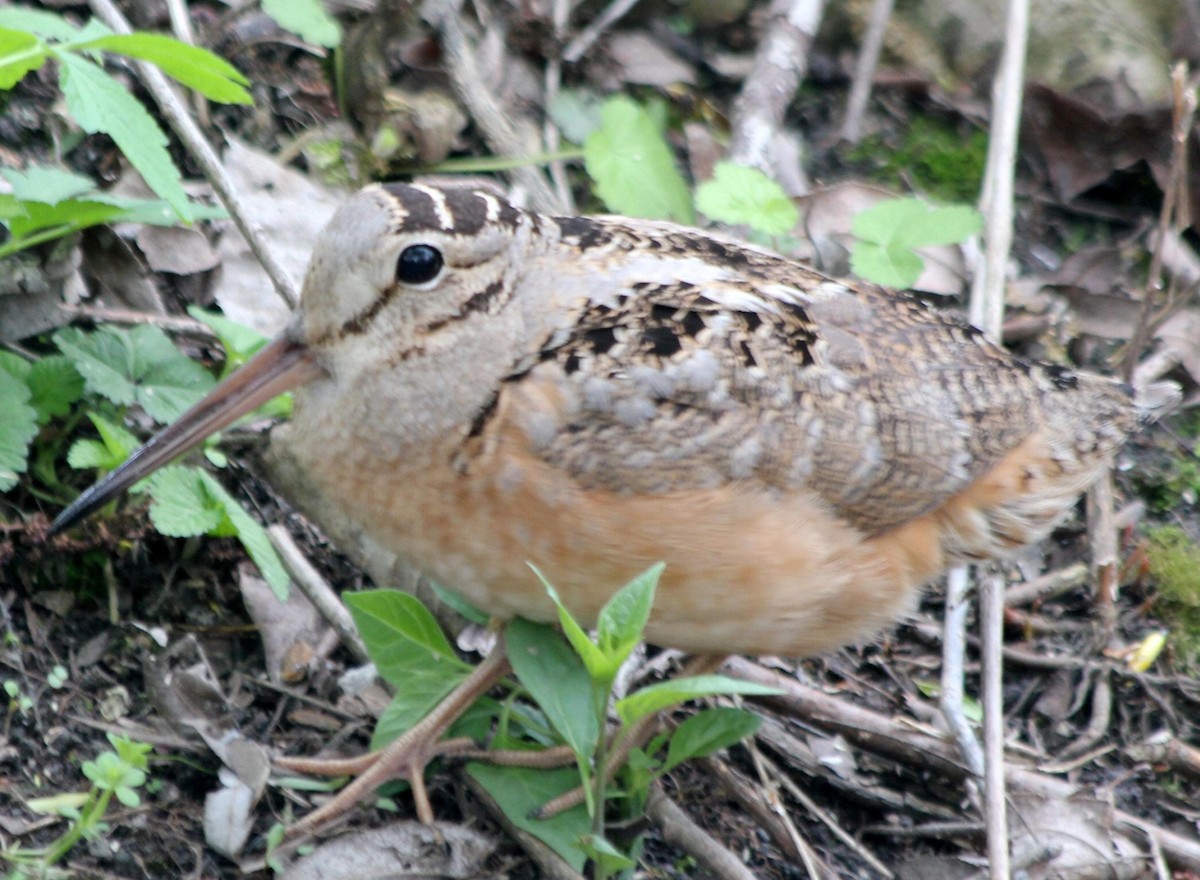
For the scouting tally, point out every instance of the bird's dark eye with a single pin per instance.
(418, 264)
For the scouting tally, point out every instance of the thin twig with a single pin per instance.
(612, 13)
(987, 312)
(1173, 216)
(824, 816)
(193, 139)
(481, 104)
(950, 700)
(864, 70)
(680, 831)
(317, 590)
(991, 613)
(1054, 583)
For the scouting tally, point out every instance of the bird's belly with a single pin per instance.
(747, 570)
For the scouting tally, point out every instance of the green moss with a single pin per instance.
(1174, 561)
(936, 159)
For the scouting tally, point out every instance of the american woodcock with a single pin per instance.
(485, 387)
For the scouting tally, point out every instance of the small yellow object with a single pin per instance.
(1143, 656)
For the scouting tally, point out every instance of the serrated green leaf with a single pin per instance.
(37, 21)
(55, 386)
(889, 266)
(157, 212)
(196, 68)
(739, 195)
(557, 680)
(576, 113)
(139, 365)
(944, 224)
(307, 18)
(253, 537)
(182, 506)
(888, 232)
(623, 618)
(115, 445)
(47, 184)
(15, 365)
(85, 454)
(98, 103)
(910, 222)
(632, 166)
(20, 53)
(709, 731)
(670, 693)
(68, 216)
(519, 791)
(18, 427)
(239, 341)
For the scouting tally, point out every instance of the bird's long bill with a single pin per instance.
(283, 364)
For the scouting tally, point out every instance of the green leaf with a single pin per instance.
(609, 860)
(131, 751)
(140, 366)
(20, 53)
(576, 113)
(519, 791)
(156, 212)
(557, 680)
(36, 21)
(632, 166)
(399, 632)
(109, 773)
(18, 427)
(182, 506)
(889, 266)
(420, 694)
(307, 18)
(460, 605)
(623, 618)
(410, 652)
(597, 665)
(55, 386)
(98, 103)
(47, 184)
(709, 731)
(239, 341)
(15, 365)
(65, 216)
(670, 693)
(115, 445)
(889, 231)
(199, 69)
(253, 537)
(739, 195)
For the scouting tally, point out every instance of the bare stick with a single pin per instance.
(189, 133)
(317, 590)
(779, 63)
(987, 312)
(680, 831)
(953, 651)
(864, 70)
(612, 13)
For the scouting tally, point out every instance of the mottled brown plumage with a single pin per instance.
(593, 395)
